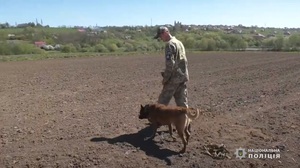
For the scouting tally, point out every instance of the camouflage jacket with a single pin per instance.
(176, 62)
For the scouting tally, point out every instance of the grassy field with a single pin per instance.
(55, 55)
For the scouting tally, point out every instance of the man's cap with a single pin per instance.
(160, 30)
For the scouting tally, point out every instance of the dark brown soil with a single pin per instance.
(83, 112)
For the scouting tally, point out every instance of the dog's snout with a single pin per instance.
(141, 117)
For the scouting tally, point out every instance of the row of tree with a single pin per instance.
(134, 39)
(22, 25)
(213, 42)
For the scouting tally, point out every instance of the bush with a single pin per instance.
(294, 41)
(276, 44)
(100, 48)
(189, 42)
(239, 44)
(156, 45)
(129, 47)
(112, 47)
(222, 44)
(211, 45)
(68, 48)
(84, 49)
(17, 48)
(202, 44)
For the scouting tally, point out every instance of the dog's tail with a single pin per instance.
(193, 113)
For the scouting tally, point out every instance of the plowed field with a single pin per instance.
(83, 112)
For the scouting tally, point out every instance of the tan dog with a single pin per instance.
(181, 117)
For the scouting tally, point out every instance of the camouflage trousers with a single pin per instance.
(178, 91)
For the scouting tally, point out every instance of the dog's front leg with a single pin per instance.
(154, 125)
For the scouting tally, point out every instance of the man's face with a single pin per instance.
(163, 36)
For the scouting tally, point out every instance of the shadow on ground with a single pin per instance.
(137, 140)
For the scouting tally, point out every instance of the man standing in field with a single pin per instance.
(176, 74)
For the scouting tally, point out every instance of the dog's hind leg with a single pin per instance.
(171, 132)
(180, 130)
(187, 132)
(184, 141)
(189, 128)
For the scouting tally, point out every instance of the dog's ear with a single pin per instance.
(142, 106)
